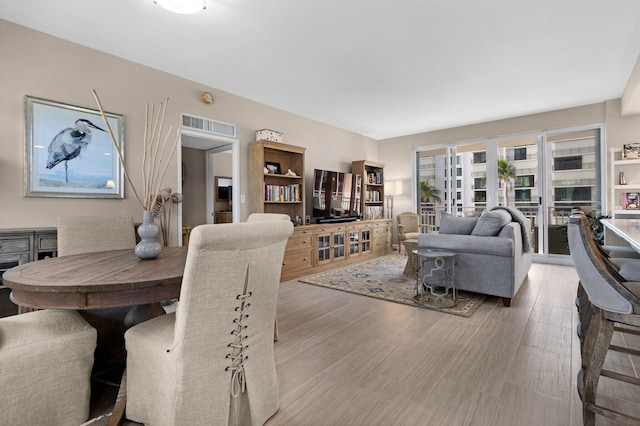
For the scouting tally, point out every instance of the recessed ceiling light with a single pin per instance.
(184, 7)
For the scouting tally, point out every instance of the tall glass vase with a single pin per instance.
(148, 247)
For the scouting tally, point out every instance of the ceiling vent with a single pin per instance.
(208, 126)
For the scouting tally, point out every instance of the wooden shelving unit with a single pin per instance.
(372, 196)
(276, 192)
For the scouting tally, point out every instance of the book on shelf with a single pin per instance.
(373, 196)
(282, 193)
(374, 177)
(373, 212)
(630, 201)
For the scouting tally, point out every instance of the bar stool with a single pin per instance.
(605, 300)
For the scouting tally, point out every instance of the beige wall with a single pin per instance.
(397, 152)
(43, 66)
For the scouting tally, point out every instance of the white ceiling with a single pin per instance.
(379, 68)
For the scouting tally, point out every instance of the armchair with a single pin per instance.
(212, 361)
(45, 365)
(409, 227)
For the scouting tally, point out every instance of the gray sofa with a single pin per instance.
(492, 257)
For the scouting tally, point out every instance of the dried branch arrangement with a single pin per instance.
(162, 209)
(155, 158)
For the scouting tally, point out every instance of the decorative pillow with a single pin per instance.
(491, 222)
(457, 225)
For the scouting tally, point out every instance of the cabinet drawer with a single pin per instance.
(381, 231)
(47, 243)
(298, 259)
(325, 229)
(16, 245)
(298, 242)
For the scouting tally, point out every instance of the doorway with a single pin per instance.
(203, 158)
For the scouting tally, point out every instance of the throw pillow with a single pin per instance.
(491, 222)
(457, 225)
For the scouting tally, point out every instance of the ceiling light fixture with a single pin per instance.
(184, 7)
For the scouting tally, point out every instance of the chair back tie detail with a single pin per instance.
(238, 348)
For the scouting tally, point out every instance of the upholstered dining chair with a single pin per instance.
(408, 228)
(268, 217)
(45, 366)
(605, 301)
(211, 362)
(87, 234)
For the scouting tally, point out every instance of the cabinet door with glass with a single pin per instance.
(359, 240)
(331, 244)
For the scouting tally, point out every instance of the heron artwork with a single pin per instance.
(69, 143)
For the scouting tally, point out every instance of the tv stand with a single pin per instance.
(336, 219)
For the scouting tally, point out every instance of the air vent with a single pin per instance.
(208, 126)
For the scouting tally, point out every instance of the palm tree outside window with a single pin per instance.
(506, 176)
(429, 193)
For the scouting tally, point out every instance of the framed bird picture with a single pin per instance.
(69, 152)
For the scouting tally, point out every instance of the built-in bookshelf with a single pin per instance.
(372, 197)
(625, 185)
(276, 179)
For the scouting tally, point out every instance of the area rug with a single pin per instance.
(383, 278)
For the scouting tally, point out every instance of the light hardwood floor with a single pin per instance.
(345, 359)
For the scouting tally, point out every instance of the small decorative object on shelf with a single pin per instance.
(272, 168)
(290, 173)
(630, 200)
(631, 151)
(269, 135)
(621, 179)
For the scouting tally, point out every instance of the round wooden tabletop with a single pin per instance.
(97, 280)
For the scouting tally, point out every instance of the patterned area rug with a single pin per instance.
(383, 278)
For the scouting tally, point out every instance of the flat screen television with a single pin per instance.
(336, 195)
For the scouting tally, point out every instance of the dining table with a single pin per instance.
(104, 279)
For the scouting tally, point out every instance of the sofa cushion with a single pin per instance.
(491, 222)
(457, 225)
(496, 246)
